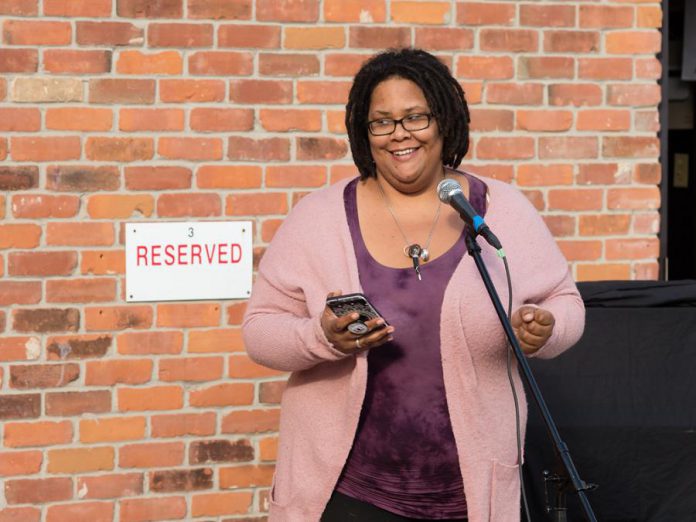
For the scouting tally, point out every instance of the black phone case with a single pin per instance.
(346, 304)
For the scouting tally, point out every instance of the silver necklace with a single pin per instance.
(413, 251)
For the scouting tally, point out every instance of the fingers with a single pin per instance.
(533, 326)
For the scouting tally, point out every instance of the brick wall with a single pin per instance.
(119, 110)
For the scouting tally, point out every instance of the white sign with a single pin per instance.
(186, 261)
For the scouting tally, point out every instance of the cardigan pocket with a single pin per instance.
(505, 492)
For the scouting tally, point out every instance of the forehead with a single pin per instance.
(397, 94)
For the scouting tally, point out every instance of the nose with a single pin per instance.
(400, 131)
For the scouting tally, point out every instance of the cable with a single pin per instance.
(514, 393)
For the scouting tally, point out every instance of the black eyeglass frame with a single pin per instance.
(399, 122)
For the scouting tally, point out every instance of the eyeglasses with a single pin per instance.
(412, 122)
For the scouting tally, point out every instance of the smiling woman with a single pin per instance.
(413, 418)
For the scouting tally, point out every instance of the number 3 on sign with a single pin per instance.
(190, 232)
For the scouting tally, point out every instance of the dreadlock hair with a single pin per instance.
(443, 93)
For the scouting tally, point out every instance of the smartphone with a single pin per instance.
(349, 303)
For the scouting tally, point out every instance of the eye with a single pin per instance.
(383, 122)
(417, 117)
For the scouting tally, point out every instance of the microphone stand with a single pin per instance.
(571, 481)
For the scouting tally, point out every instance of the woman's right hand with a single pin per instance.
(336, 331)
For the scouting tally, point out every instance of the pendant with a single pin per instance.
(424, 255)
(413, 250)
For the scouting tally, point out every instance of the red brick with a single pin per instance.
(251, 421)
(647, 173)
(544, 120)
(575, 199)
(148, 9)
(118, 318)
(633, 42)
(221, 120)
(444, 38)
(60, 61)
(92, 511)
(38, 491)
(159, 454)
(60, 148)
(544, 175)
(111, 486)
(191, 369)
(263, 149)
(634, 95)
(46, 320)
(215, 504)
(180, 35)
(18, 178)
(256, 204)
(215, 341)
(133, 120)
(260, 91)
(605, 224)
(92, 9)
(108, 33)
(44, 433)
(19, 8)
(103, 262)
(313, 37)
(20, 406)
(485, 67)
(246, 476)
(574, 250)
(649, 16)
(79, 119)
(67, 178)
(288, 64)
(194, 149)
(19, 236)
(421, 13)
(117, 90)
(336, 121)
(509, 40)
(485, 13)
(560, 226)
(268, 229)
(270, 392)
(630, 147)
(314, 91)
(491, 120)
(68, 404)
(605, 68)
(547, 15)
(19, 60)
(648, 68)
(26, 377)
(342, 64)
(35, 32)
(646, 223)
(114, 429)
(38, 206)
(221, 63)
(232, 176)
(604, 271)
(187, 315)
(204, 451)
(153, 343)
(547, 67)
(354, 11)
(112, 372)
(157, 178)
(568, 147)
(362, 37)
(150, 509)
(222, 395)
(578, 94)
(19, 292)
(220, 9)
(20, 463)
(153, 398)
(183, 424)
(505, 148)
(19, 348)
(321, 148)
(185, 91)
(80, 234)
(515, 93)
(287, 10)
(80, 460)
(604, 120)
(571, 41)
(19, 120)
(136, 62)
(605, 16)
(254, 36)
(180, 205)
(77, 347)
(242, 367)
(290, 176)
(168, 481)
(632, 248)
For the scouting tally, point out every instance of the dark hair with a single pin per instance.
(442, 92)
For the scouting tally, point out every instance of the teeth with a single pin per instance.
(403, 152)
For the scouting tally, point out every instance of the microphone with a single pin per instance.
(449, 191)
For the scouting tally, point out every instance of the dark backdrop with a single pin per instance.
(624, 400)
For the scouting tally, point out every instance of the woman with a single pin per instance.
(415, 420)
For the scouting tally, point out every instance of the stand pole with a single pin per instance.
(573, 480)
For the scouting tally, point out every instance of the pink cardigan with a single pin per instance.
(311, 255)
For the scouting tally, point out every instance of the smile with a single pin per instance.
(404, 152)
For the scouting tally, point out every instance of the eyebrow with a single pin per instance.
(415, 108)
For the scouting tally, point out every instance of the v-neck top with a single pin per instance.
(404, 458)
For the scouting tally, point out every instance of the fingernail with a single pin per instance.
(528, 317)
(390, 338)
(380, 322)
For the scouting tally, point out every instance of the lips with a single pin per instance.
(404, 153)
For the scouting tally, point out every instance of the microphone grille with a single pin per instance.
(445, 189)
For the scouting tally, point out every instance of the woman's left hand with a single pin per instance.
(533, 326)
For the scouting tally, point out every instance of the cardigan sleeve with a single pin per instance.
(279, 330)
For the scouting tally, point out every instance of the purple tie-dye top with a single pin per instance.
(404, 457)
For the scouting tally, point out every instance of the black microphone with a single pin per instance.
(449, 191)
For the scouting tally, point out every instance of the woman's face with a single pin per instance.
(410, 161)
